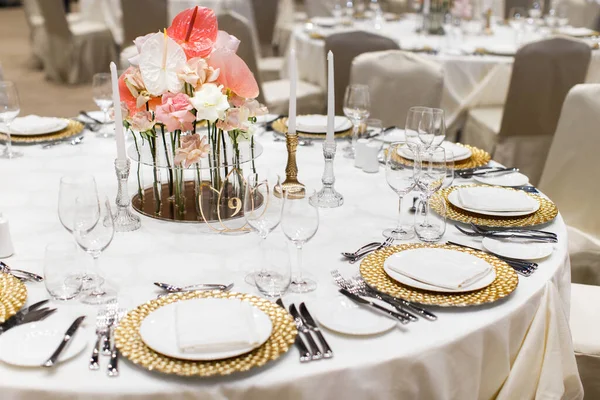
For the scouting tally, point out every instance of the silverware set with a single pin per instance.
(305, 341)
(521, 267)
(510, 234)
(484, 171)
(33, 313)
(357, 289)
(20, 274)
(367, 249)
(107, 321)
(73, 142)
(169, 288)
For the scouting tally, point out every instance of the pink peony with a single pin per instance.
(235, 118)
(141, 121)
(175, 113)
(193, 148)
(195, 29)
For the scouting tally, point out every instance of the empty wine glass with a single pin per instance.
(413, 121)
(430, 227)
(62, 271)
(9, 109)
(399, 173)
(73, 187)
(102, 93)
(262, 211)
(276, 274)
(300, 223)
(94, 230)
(356, 107)
(449, 169)
(429, 175)
(536, 9)
(432, 128)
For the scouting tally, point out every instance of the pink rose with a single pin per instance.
(235, 118)
(142, 121)
(197, 72)
(175, 113)
(193, 148)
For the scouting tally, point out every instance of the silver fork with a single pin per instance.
(113, 365)
(387, 243)
(101, 328)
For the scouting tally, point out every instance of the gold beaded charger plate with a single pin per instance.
(374, 274)
(280, 126)
(545, 213)
(129, 341)
(479, 158)
(73, 129)
(13, 294)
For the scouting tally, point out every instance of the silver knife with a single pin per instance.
(310, 322)
(304, 353)
(65, 341)
(200, 286)
(28, 275)
(374, 306)
(315, 352)
(18, 317)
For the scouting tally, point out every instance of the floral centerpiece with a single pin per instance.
(188, 98)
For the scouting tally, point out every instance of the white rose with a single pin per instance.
(210, 102)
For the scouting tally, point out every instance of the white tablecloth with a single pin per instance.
(109, 11)
(467, 354)
(463, 74)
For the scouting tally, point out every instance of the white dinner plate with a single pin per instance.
(437, 259)
(460, 153)
(508, 180)
(267, 118)
(30, 345)
(340, 314)
(158, 331)
(325, 22)
(33, 125)
(318, 123)
(394, 135)
(455, 201)
(522, 251)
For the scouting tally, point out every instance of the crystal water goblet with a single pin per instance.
(357, 106)
(9, 109)
(429, 174)
(102, 94)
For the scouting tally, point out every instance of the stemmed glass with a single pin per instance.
(399, 174)
(102, 93)
(516, 19)
(9, 109)
(413, 121)
(432, 128)
(429, 174)
(262, 211)
(536, 9)
(300, 223)
(356, 107)
(94, 230)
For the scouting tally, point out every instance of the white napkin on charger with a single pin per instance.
(457, 151)
(34, 124)
(495, 199)
(449, 272)
(211, 325)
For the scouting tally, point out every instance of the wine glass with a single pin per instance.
(536, 9)
(300, 223)
(262, 211)
(432, 128)
(449, 169)
(73, 187)
(399, 174)
(356, 108)
(276, 274)
(429, 175)
(413, 120)
(94, 230)
(62, 265)
(102, 93)
(430, 227)
(516, 19)
(9, 109)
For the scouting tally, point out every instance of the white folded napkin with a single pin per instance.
(318, 123)
(212, 325)
(446, 270)
(34, 124)
(457, 151)
(495, 199)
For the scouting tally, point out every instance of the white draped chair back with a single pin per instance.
(154, 18)
(543, 74)
(55, 18)
(570, 179)
(317, 8)
(345, 47)
(265, 15)
(398, 80)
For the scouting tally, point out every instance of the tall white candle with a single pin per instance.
(119, 135)
(293, 79)
(330, 99)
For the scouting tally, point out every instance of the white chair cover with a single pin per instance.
(265, 15)
(284, 25)
(585, 329)
(345, 47)
(543, 73)
(274, 94)
(154, 18)
(74, 52)
(569, 179)
(407, 78)
(316, 8)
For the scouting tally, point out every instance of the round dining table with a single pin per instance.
(516, 348)
(476, 67)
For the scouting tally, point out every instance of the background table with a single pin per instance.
(467, 354)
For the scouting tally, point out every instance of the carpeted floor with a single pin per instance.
(37, 95)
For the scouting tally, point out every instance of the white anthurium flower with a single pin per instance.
(210, 102)
(161, 60)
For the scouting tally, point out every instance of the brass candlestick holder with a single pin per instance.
(488, 23)
(291, 184)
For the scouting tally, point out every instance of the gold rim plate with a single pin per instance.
(373, 273)
(279, 126)
(479, 158)
(13, 294)
(73, 129)
(546, 213)
(130, 344)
